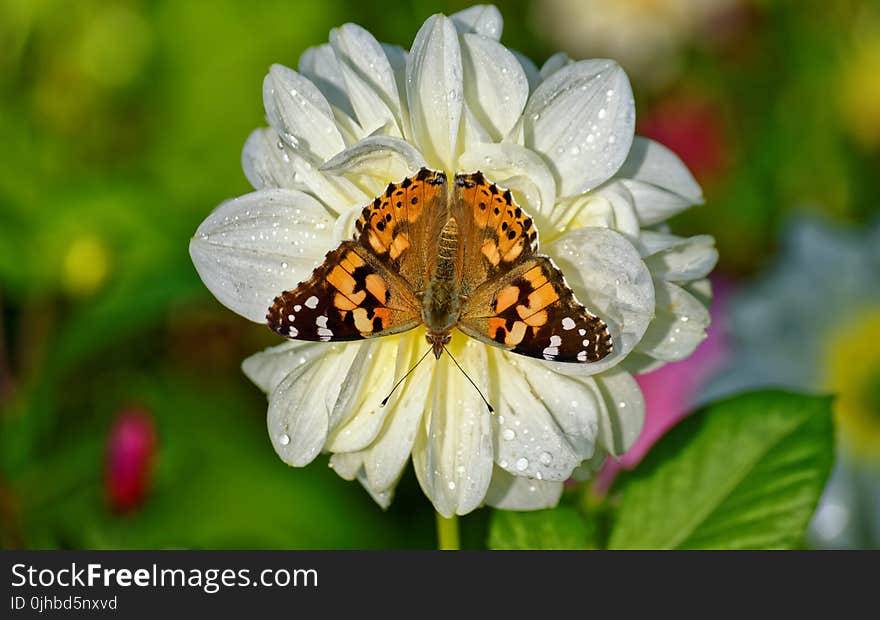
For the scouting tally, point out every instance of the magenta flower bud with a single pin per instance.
(131, 450)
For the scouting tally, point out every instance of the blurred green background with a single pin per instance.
(122, 125)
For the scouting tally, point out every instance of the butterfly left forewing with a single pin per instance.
(531, 310)
(348, 297)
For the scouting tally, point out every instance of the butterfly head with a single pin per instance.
(438, 340)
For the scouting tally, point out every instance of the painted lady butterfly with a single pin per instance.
(464, 258)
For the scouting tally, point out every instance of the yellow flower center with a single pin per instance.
(853, 374)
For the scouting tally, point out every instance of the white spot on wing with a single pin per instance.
(312, 302)
(321, 321)
(568, 323)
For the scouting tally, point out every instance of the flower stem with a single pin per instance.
(447, 533)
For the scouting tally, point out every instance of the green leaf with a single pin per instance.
(743, 473)
(560, 528)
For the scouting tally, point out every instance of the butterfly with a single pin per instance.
(463, 257)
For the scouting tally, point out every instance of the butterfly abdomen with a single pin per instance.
(441, 301)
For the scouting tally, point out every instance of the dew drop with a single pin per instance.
(451, 485)
(522, 464)
(602, 113)
(545, 458)
(284, 439)
(508, 434)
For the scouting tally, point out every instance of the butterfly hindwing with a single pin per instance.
(532, 311)
(348, 297)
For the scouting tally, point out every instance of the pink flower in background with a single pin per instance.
(130, 453)
(693, 128)
(671, 391)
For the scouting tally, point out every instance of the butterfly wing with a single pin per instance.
(348, 297)
(532, 311)
(400, 227)
(514, 297)
(496, 234)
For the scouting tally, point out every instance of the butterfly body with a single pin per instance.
(463, 257)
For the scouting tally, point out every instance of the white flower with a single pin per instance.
(359, 114)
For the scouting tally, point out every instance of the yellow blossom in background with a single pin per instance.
(853, 374)
(85, 266)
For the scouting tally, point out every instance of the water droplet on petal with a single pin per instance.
(508, 434)
(284, 439)
(545, 458)
(451, 485)
(522, 464)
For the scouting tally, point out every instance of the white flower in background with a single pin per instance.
(646, 37)
(813, 323)
(359, 114)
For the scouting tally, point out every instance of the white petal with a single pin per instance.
(502, 161)
(320, 65)
(435, 91)
(300, 114)
(582, 118)
(680, 324)
(367, 414)
(553, 64)
(252, 248)
(495, 85)
(659, 180)
(609, 278)
(678, 259)
(347, 464)
(368, 76)
(452, 454)
(270, 162)
(388, 455)
(266, 161)
(545, 423)
(313, 398)
(611, 206)
(482, 19)
(519, 493)
(529, 68)
(383, 158)
(268, 368)
(382, 497)
(623, 415)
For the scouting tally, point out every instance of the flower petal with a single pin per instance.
(545, 422)
(268, 368)
(608, 277)
(270, 162)
(529, 68)
(266, 161)
(611, 206)
(679, 325)
(557, 61)
(369, 78)
(623, 414)
(435, 90)
(581, 119)
(252, 248)
(509, 492)
(503, 161)
(660, 182)
(482, 19)
(321, 67)
(300, 114)
(678, 259)
(314, 398)
(495, 85)
(388, 454)
(452, 454)
(381, 157)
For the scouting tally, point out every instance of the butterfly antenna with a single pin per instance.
(466, 376)
(408, 372)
